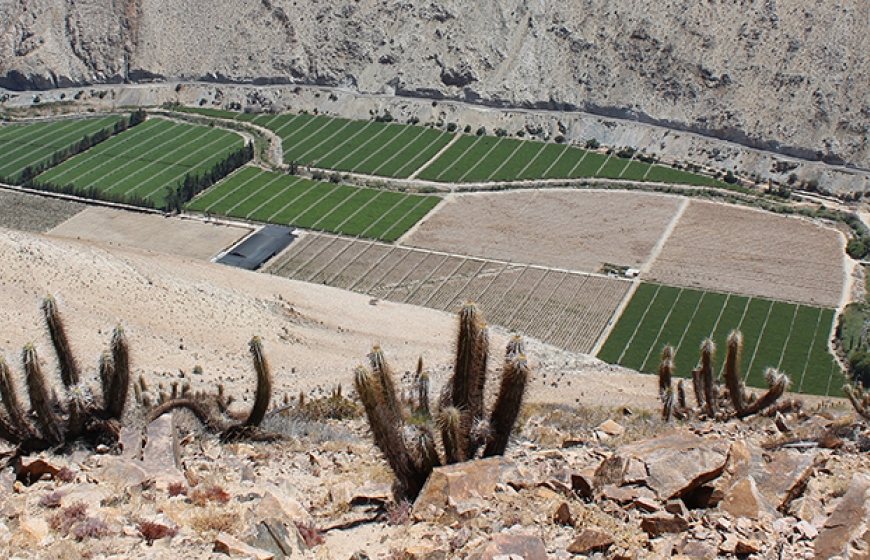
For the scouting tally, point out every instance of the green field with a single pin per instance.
(396, 150)
(146, 160)
(264, 196)
(30, 144)
(787, 336)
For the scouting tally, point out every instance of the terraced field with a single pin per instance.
(790, 337)
(264, 196)
(30, 144)
(396, 150)
(566, 309)
(146, 160)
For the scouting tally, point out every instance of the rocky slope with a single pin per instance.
(787, 76)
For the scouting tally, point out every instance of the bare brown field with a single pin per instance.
(569, 229)
(151, 232)
(29, 212)
(734, 249)
(566, 309)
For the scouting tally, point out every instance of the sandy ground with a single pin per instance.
(28, 212)
(180, 312)
(152, 232)
(574, 230)
(730, 248)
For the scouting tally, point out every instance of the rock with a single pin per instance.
(341, 493)
(234, 548)
(276, 504)
(423, 551)
(159, 455)
(806, 530)
(678, 462)
(35, 530)
(747, 546)
(698, 549)
(785, 475)
(581, 483)
(847, 530)
(646, 504)
(744, 500)
(5, 534)
(119, 473)
(677, 507)
(371, 494)
(663, 522)
(729, 544)
(280, 539)
(452, 485)
(563, 516)
(610, 471)
(591, 540)
(611, 428)
(501, 546)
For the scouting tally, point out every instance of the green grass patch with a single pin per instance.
(265, 196)
(790, 336)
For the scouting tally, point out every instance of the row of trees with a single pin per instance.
(193, 184)
(28, 175)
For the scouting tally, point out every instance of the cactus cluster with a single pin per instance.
(736, 401)
(405, 432)
(210, 409)
(55, 420)
(859, 398)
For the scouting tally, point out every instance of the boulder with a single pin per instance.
(278, 538)
(277, 504)
(423, 551)
(452, 486)
(611, 428)
(563, 516)
(501, 546)
(846, 532)
(591, 540)
(234, 548)
(119, 473)
(662, 522)
(744, 499)
(677, 462)
(92, 495)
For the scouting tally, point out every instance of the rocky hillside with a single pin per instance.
(791, 77)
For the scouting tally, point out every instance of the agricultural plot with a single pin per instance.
(147, 160)
(276, 198)
(30, 144)
(396, 150)
(570, 229)
(736, 249)
(790, 337)
(566, 309)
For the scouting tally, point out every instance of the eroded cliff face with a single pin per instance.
(790, 76)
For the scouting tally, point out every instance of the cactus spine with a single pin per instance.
(732, 371)
(119, 380)
(69, 369)
(37, 390)
(708, 348)
(860, 400)
(264, 384)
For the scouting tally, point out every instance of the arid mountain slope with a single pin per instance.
(789, 75)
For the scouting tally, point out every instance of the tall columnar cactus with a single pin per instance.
(732, 371)
(708, 349)
(706, 390)
(666, 391)
(74, 415)
(461, 417)
(210, 408)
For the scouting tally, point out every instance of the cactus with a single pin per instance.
(777, 383)
(708, 349)
(706, 390)
(859, 398)
(209, 409)
(732, 371)
(62, 417)
(461, 417)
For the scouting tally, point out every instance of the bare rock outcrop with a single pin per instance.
(789, 77)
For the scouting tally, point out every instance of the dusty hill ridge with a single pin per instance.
(785, 76)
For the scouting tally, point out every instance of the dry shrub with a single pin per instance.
(334, 407)
(51, 500)
(215, 519)
(201, 496)
(90, 528)
(177, 489)
(63, 520)
(311, 535)
(151, 531)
